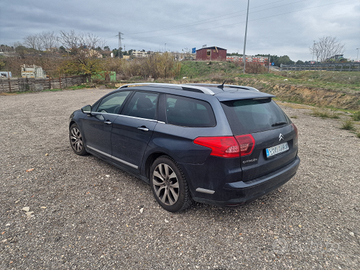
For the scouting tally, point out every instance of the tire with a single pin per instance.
(76, 140)
(169, 185)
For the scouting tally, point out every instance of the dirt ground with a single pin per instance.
(62, 211)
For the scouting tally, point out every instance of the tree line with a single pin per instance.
(326, 50)
(71, 53)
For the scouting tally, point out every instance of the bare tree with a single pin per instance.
(327, 47)
(33, 42)
(83, 58)
(48, 40)
(71, 40)
(42, 41)
(93, 41)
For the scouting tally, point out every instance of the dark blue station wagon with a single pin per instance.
(216, 144)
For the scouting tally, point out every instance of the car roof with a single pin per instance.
(222, 92)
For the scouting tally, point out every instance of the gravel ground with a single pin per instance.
(62, 211)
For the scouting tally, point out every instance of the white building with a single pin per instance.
(139, 54)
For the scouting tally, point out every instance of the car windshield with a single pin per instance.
(254, 115)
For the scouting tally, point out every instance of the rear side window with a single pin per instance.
(189, 112)
(142, 104)
(249, 116)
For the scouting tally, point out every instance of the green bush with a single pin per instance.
(154, 66)
(324, 114)
(356, 116)
(348, 125)
(255, 68)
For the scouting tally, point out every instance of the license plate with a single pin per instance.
(272, 151)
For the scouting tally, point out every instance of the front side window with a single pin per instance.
(188, 112)
(142, 104)
(113, 102)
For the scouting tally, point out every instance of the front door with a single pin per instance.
(98, 125)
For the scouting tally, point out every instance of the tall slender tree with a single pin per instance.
(326, 47)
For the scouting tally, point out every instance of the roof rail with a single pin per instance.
(186, 87)
(221, 86)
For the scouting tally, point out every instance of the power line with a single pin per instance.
(236, 23)
(227, 16)
(119, 44)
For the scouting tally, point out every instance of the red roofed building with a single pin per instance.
(211, 54)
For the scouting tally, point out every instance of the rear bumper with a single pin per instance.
(240, 192)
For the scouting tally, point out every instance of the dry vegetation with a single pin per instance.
(337, 90)
(155, 66)
(321, 88)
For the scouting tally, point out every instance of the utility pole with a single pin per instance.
(357, 57)
(119, 44)
(247, 17)
(313, 50)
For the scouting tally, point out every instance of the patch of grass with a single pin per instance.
(358, 135)
(325, 77)
(207, 69)
(291, 105)
(52, 90)
(332, 81)
(356, 116)
(24, 92)
(348, 125)
(76, 87)
(324, 114)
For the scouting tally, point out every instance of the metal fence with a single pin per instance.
(329, 67)
(11, 85)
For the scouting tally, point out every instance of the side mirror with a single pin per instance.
(86, 109)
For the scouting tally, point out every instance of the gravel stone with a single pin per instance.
(88, 214)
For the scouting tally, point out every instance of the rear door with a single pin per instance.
(274, 134)
(133, 129)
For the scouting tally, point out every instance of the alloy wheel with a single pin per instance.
(166, 184)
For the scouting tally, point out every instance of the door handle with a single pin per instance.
(107, 122)
(143, 128)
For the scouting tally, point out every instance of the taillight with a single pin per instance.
(296, 134)
(246, 143)
(228, 147)
(295, 128)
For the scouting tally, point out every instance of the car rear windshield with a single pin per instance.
(254, 115)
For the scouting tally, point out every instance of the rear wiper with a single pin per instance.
(278, 124)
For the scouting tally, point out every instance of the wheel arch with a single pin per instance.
(71, 123)
(153, 156)
(150, 160)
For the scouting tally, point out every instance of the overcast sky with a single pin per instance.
(276, 27)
